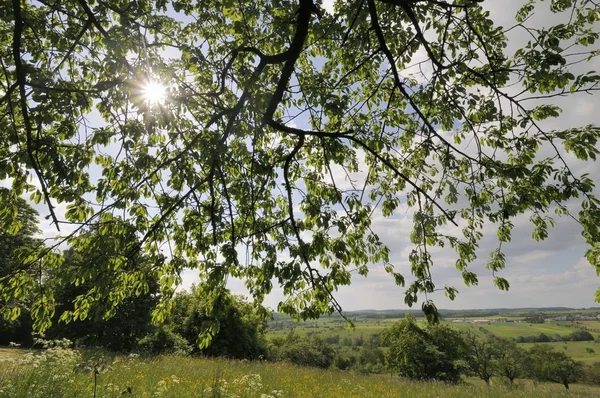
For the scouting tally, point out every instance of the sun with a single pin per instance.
(154, 93)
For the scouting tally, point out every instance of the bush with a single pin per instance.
(333, 339)
(241, 326)
(540, 338)
(536, 318)
(591, 374)
(432, 352)
(580, 335)
(341, 362)
(164, 341)
(307, 351)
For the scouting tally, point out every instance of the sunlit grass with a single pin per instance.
(172, 376)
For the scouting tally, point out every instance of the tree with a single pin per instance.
(549, 365)
(16, 244)
(481, 355)
(121, 325)
(592, 374)
(237, 327)
(580, 335)
(511, 360)
(304, 351)
(418, 353)
(220, 128)
(535, 318)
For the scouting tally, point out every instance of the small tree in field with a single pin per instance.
(424, 353)
(549, 365)
(511, 360)
(481, 355)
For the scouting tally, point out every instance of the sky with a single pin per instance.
(541, 274)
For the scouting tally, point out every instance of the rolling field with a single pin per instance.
(512, 330)
(575, 349)
(328, 327)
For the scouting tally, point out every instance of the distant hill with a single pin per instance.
(468, 313)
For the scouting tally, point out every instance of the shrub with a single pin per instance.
(580, 335)
(163, 340)
(241, 326)
(535, 318)
(433, 352)
(307, 351)
(342, 362)
(591, 374)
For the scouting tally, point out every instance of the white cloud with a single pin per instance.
(328, 5)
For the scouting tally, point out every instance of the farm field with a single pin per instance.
(327, 327)
(169, 376)
(512, 330)
(336, 328)
(577, 350)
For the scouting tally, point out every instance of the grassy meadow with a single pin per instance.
(331, 326)
(63, 372)
(172, 376)
(575, 349)
(513, 330)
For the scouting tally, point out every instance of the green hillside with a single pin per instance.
(183, 377)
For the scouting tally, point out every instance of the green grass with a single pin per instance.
(512, 330)
(326, 327)
(195, 377)
(575, 349)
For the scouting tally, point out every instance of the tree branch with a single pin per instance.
(22, 82)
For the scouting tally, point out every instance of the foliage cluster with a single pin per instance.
(269, 107)
(304, 351)
(440, 353)
(535, 318)
(577, 335)
(434, 352)
(236, 327)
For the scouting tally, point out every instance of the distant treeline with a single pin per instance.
(578, 335)
(546, 312)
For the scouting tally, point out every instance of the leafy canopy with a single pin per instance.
(247, 163)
